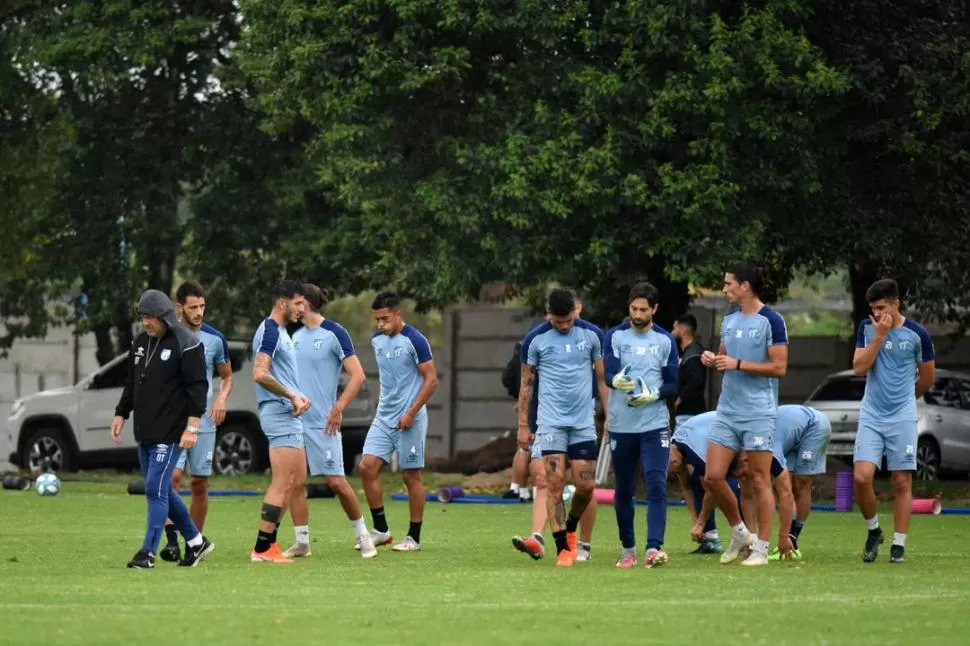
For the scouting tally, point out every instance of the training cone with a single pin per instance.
(927, 506)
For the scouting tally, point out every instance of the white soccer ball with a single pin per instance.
(567, 492)
(47, 485)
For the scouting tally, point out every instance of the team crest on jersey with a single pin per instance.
(905, 346)
(582, 346)
(166, 353)
(754, 333)
(317, 343)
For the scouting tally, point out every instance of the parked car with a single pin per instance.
(66, 429)
(944, 420)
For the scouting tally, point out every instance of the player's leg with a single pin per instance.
(296, 501)
(285, 452)
(197, 546)
(749, 502)
(584, 547)
(901, 441)
(171, 552)
(654, 450)
(519, 485)
(582, 452)
(411, 449)
(535, 545)
(758, 437)
(869, 450)
(200, 468)
(722, 449)
(378, 448)
(809, 460)
(554, 444)
(625, 455)
(144, 559)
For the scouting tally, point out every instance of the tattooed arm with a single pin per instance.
(525, 398)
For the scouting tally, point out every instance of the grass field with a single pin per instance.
(63, 581)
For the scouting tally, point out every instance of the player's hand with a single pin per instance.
(697, 532)
(406, 421)
(334, 420)
(188, 440)
(882, 324)
(117, 425)
(524, 437)
(785, 546)
(724, 363)
(646, 396)
(707, 358)
(219, 411)
(622, 382)
(300, 405)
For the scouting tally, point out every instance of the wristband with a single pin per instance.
(192, 429)
(739, 364)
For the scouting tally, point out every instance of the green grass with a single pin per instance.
(63, 581)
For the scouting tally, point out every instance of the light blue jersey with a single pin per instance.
(801, 439)
(651, 355)
(891, 383)
(398, 358)
(272, 339)
(695, 433)
(216, 354)
(320, 353)
(565, 380)
(748, 337)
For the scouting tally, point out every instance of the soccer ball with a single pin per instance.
(47, 485)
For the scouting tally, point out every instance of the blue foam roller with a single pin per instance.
(429, 497)
(225, 493)
(486, 500)
(956, 510)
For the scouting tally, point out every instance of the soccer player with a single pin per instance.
(280, 404)
(891, 351)
(190, 306)
(642, 366)
(801, 438)
(165, 390)
(562, 350)
(753, 355)
(535, 545)
(322, 348)
(693, 377)
(408, 379)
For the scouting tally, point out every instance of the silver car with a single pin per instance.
(944, 420)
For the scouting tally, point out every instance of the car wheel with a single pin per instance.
(927, 459)
(237, 452)
(47, 450)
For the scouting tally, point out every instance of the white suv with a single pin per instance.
(65, 429)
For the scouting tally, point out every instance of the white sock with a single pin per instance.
(899, 539)
(711, 536)
(195, 542)
(524, 493)
(514, 488)
(302, 534)
(360, 529)
(740, 530)
(873, 522)
(761, 546)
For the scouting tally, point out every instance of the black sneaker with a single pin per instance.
(143, 560)
(871, 550)
(194, 555)
(896, 554)
(509, 495)
(171, 553)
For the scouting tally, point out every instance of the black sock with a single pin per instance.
(414, 531)
(380, 520)
(171, 535)
(796, 527)
(272, 534)
(263, 541)
(571, 523)
(561, 544)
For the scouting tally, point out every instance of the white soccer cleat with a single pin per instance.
(377, 538)
(584, 553)
(298, 550)
(756, 558)
(366, 546)
(407, 545)
(736, 546)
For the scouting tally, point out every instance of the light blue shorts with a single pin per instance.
(324, 453)
(536, 451)
(558, 439)
(808, 458)
(752, 435)
(382, 440)
(280, 427)
(199, 456)
(896, 441)
(680, 419)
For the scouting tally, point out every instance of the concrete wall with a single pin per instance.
(470, 406)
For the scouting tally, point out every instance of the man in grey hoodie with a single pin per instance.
(166, 389)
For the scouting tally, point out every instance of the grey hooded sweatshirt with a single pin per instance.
(166, 381)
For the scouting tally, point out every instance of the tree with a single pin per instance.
(133, 86)
(587, 143)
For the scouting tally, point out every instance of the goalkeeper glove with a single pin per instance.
(623, 383)
(644, 397)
